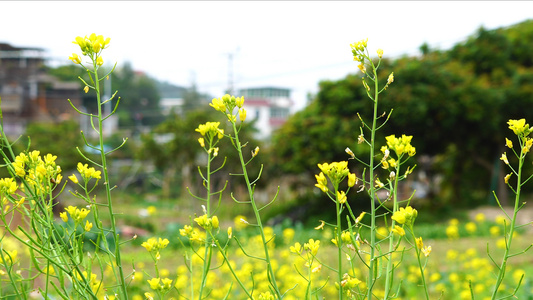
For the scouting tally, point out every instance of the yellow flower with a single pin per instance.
(86, 89)
(341, 197)
(148, 296)
(360, 217)
(99, 61)
(398, 230)
(471, 227)
(201, 142)
(63, 216)
(352, 179)
(230, 232)
(379, 184)
(391, 78)
(527, 146)
(242, 114)
(239, 101)
(214, 222)
(218, 104)
(480, 217)
(167, 283)
(405, 215)
(507, 177)
(312, 246)
(255, 151)
(504, 158)
(508, 143)
(297, 248)
(88, 226)
(519, 127)
(362, 67)
(73, 178)
(419, 243)
(380, 53)
(154, 283)
(322, 182)
(75, 58)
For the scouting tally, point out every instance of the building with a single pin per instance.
(268, 106)
(29, 94)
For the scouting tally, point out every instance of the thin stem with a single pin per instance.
(506, 255)
(390, 271)
(270, 271)
(121, 278)
(372, 264)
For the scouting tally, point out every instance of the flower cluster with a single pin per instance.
(153, 245)
(207, 223)
(226, 104)
(520, 127)
(41, 173)
(93, 44)
(158, 284)
(75, 213)
(336, 172)
(400, 145)
(405, 216)
(86, 173)
(358, 49)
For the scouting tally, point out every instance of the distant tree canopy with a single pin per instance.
(455, 103)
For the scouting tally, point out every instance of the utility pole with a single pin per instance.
(230, 74)
(230, 89)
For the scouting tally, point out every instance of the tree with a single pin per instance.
(455, 103)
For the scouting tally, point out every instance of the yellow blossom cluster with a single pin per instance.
(210, 130)
(41, 173)
(154, 244)
(159, 284)
(75, 213)
(400, 145)
(92, 44)
(207, 223)
(405, 215)
(226, 104)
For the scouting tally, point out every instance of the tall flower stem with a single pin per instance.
(506, 255)
(270, 271)
(116, 241)
(371, 276)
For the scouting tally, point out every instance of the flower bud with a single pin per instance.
(242, 114)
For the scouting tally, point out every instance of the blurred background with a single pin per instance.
(462, 69)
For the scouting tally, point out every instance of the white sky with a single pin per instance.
(275, 43)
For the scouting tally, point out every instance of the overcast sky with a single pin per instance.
(274, 43)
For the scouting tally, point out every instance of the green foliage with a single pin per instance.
(59, 139)
(173, 149)
(454, 102)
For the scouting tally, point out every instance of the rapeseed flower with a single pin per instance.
(405, 215)
(519, 127)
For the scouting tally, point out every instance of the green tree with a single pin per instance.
(174, 150)
(455, 103)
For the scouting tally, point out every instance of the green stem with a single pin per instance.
(390, 272)
(503, 266)
(371, 280)
(226, 259)
(339, 243)
(208, 251)
(121, 278)
(270, 271)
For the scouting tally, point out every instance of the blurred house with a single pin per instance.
(29, 94)
(268, 106)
